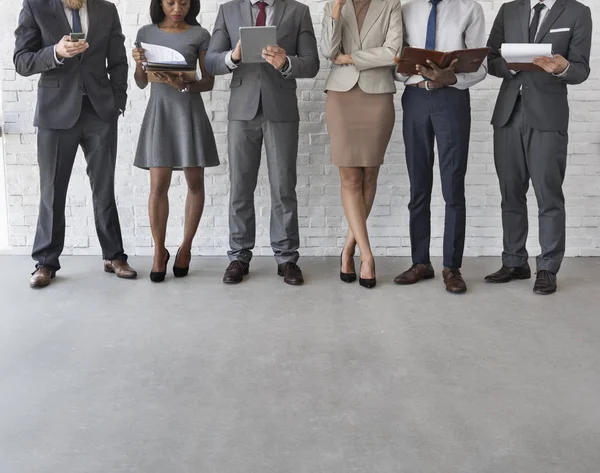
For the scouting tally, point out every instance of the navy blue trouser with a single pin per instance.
(443, 115)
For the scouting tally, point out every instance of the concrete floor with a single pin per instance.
(100, 375)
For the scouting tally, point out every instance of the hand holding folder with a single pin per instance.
(467, 60)
(166, 61)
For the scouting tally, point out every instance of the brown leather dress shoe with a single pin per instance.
(235, 272)
(292, 274)
(416, 273)
(41, 277)
(454, 281)
(121, 268)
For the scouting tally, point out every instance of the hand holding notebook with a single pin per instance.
(467, 60)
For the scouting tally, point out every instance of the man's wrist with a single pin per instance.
(57, 58)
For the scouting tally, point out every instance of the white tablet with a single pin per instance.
(254, 40)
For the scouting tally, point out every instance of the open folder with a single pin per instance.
(167, 60)
(469, 60)
(519, 56)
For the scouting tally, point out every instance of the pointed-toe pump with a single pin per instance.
(159, 276)
(368, 283)
(178, 271)
(346, 277)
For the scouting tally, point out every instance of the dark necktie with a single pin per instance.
(261, 18)
(535, 23)
(76, 21)
(432, 25)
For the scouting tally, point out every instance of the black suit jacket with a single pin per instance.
(101, 70)
(568, 27)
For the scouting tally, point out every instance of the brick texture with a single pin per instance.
(321, 215)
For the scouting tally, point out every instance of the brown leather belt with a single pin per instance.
(432, 85)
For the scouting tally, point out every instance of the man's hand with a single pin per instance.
(236, 55)
(139, 56)
(67, 48)
(174, 80)
(554, 65)
(441, 76)
(275, 56)
(343, 59)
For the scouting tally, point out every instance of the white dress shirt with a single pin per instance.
(460, 25)
(85, 22)
(270, 11)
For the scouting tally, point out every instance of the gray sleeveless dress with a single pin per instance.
(176, 131)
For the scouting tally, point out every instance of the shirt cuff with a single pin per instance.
(56, 60)
(286, 71)
(563, 73)
(229, 62)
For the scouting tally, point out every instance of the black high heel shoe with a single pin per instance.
(346, 277)
(368, 283)
(180, 272)
(159, 276)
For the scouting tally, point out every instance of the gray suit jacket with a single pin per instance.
(544, 95)
(252, 82)
(102, 69)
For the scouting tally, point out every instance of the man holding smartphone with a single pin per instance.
(81, 93)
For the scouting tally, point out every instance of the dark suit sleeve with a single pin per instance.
(305, 64)
(496, 63)
(220, 45)
(579, 50)
(30, 57)
(117, 62)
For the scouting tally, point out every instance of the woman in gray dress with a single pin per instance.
(176, 133)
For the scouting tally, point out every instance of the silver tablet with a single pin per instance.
(254, 40)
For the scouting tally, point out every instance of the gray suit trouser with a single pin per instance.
(245, 140)
(522, 153)
(56, 155)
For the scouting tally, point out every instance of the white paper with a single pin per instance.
(161, 54)
(524, 53)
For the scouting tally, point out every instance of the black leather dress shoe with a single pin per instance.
(545, 283)
(506, 274)
(292, 274)
(235, 272)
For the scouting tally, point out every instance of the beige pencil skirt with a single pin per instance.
(360, 127)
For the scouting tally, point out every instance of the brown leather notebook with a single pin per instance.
(469, 60)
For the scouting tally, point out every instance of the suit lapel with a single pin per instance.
(279, 9)
(93, 14)
(246, 10)
(373, 14)
(525, 18)
(59, 12)
(551, 18)
(349, 16)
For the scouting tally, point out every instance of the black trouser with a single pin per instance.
(56, 155)
(443, 115)
(521, 153)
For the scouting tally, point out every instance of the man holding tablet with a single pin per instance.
(263, 106)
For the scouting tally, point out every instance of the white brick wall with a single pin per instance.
(321, 214)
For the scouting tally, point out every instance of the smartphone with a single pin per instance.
(77, 37)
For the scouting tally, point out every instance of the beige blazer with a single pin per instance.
(373, 49)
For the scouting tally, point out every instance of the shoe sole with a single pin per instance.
(518, 278)
(540, 293)
(112, 271)
(429, 276)
(460, 291)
